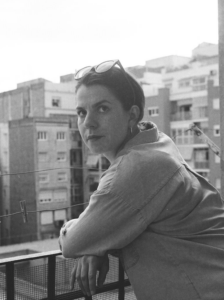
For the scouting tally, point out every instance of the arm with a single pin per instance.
(117, 214)
(129, 198)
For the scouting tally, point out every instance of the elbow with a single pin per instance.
(67, 248)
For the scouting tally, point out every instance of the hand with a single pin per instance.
(85, 272)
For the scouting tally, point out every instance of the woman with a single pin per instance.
(165, 220)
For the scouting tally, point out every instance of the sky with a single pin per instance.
(50, 38)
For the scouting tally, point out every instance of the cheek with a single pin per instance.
(81, 130)
(119, 129)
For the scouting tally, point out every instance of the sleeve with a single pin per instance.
(119, 212)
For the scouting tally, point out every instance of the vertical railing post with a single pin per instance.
(121, 282)
(51, 277)
(10, 282)
(221, 86)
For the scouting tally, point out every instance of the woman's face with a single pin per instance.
(102, 120)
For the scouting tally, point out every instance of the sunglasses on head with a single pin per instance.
(103, 68)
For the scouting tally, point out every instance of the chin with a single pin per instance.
(95, 150)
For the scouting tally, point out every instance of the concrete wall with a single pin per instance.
(4, 107)
(214, 119)
(22, 187)
(63, 91)
(163, 103)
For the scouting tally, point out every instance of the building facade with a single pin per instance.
(30, 120)
(39, 164)
(181, 91)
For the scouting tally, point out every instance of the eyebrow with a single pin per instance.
(94, 105)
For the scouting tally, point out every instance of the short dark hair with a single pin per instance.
(116, 82)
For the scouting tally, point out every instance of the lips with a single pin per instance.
(94, 137)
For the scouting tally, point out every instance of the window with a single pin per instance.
(153, 111)
(213, 72)
(60, 215)
(56, 102)
(218, 183)
(216, 130)
(201, 158)
(199, 80)
(43, 177)
(184, 83)
(199, 84)
(43, 156)
(46, 217)
(45, 197)
(217, 159)
(216, 104)
(62, 177)
(61, 136)
(60, 196)
(42, 135)
(61, 156)
(182, 136)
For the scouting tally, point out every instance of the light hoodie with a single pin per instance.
(166, 221)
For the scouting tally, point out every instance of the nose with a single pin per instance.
(90, 120)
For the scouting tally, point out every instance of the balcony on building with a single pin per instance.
(201, 158)
(181, 110)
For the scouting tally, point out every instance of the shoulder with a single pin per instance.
(152, 162)
(139, 170)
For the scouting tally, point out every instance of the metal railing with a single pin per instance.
(46, 276)
(181, 116)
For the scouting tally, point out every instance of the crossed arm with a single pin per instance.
(114, 218)
(103, 226)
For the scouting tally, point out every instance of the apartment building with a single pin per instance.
(40, 99)
(39, 164)
(181, 91)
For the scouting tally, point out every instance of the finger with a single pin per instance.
(79, 277)
(85, 277)
(92, 278)
(73, 276)
(103, 273)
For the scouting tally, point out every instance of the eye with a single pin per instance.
(81, 113)
(103, 108)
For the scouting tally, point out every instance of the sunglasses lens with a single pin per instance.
(82, 72)
(105, 66)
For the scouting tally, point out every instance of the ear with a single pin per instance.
(134, 113)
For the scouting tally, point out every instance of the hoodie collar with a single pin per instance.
(148, 134)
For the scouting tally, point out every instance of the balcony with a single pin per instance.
(46, 276)
(201, 164)
(181, 116)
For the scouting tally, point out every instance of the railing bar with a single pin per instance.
(10, 283)
(121, 290)
(29, 257)
(78, 294)
(51, 277)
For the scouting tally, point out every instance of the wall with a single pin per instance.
(4, 107)
(65, 92)
(4, 180)
(214, 119)
(162, 102)
(22, 187)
